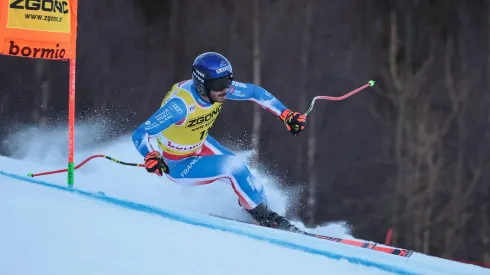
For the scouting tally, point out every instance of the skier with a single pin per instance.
(175, 139)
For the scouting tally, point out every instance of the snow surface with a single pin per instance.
(143, 224)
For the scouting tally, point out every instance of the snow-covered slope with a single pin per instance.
(45, 150)
(45, 231)
(142, 224)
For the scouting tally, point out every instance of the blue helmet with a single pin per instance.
(211, 72)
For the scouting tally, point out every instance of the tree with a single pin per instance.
(256, 129)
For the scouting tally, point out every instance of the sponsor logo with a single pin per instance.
(237, 93)
(39, 15)
(182, 148)
(44, 5)
(238, 84)
(164, 116)
(204, 118)
(26, 51)
(176, 108)
(164, 142)
(197, 75)
(189, 167)
(192, 108)
(249, 181)
(220, 70)
(149, 125)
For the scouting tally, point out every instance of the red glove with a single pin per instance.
(295, 121)
(154, 163)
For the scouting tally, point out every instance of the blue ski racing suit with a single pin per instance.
(179, 131)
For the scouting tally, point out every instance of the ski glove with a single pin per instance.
(154, 163)
(295, 121)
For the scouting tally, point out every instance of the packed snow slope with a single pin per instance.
(122, 220)
(45, 231)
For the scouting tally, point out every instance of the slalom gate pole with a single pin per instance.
(84, 162)
(332, 98)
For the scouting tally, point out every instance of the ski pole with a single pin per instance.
(369, 84)
(85, 161)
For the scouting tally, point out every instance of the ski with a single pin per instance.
(369, 245)
(363, 244)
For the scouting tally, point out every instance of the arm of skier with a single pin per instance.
(172, 112)
(295, 122)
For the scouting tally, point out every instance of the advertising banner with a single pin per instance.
(44, 29)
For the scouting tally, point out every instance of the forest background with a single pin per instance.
(410, 154)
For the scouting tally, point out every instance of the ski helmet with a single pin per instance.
(211, 72)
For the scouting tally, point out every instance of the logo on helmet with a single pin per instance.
(220, 70)
(198, 75)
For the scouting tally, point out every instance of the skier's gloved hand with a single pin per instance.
(295, 121)
(154, 163)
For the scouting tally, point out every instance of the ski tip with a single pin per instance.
(30, 175)
(371, 83)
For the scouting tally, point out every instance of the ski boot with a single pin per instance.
(268, 218)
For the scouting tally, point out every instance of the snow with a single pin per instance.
(50, 232)
(143, 224)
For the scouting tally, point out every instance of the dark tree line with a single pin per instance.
(411, 153)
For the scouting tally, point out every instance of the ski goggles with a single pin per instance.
(219, 84)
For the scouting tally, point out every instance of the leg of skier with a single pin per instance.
(215, 162)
